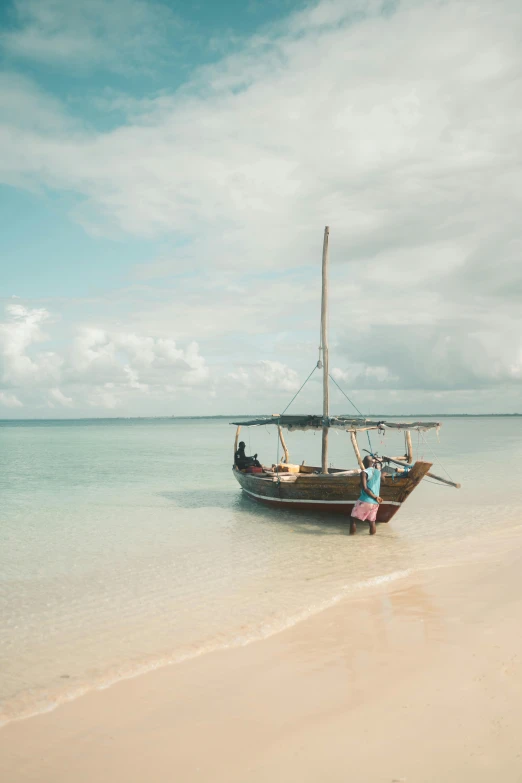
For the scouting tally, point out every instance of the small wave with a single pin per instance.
(262, 631)
(269, 628)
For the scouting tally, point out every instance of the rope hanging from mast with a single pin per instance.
(299, 391)
(356, 408)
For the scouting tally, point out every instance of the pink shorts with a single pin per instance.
(365, 511)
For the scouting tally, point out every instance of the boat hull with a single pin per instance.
(328, 493)
(384, 513)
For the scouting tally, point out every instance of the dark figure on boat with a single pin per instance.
(242, 461)
(369, 501)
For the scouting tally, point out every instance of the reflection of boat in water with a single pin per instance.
(300, 486)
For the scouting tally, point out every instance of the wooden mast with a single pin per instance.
(324, 344)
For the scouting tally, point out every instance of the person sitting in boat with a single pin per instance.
(242, 461)
(369, 500)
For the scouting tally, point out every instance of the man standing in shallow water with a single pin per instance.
(367, 506)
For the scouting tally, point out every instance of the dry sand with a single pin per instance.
(416, 680)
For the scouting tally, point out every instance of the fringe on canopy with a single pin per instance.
(305, 423)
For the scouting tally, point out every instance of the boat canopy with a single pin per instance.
(311, 422)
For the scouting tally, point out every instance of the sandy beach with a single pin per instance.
(417, 679)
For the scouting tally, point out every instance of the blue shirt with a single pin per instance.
(373, 482)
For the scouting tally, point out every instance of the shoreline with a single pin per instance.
(260, 633)
(436, 648)
(266, 631)
(269, 627)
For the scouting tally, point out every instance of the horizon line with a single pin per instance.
(248, 416)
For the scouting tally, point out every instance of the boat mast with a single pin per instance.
(324, 344)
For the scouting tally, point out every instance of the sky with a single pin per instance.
(166, 173)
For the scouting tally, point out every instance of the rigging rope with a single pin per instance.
(419, 434)
(343, 392)
(356, 408)
(435, 458)
(283, 413)
(298, 392)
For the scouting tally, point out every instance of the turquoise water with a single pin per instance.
(126, 544)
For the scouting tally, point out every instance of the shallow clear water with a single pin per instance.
(127, 544)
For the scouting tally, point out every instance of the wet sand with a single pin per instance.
(418, 679)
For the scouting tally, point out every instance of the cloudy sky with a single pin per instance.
(166, 172)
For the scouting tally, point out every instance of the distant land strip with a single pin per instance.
(378, 416)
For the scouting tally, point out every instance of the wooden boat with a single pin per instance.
(314, 488)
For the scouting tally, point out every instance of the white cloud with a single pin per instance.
(275, 375)
(121, 357)
(199, 372)
(103, 397)
(397, 124)
(98, 368)
(340, 115)
(58, 396)
(91, 348)
(119, 34)
(436, 357)
(265, 376)
(360, 374)
(36, 110)
(19, 363)
(133, 379)
(9, 400)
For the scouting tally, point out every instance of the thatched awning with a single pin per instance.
(311, 422)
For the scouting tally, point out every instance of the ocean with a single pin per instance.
(126, 545)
